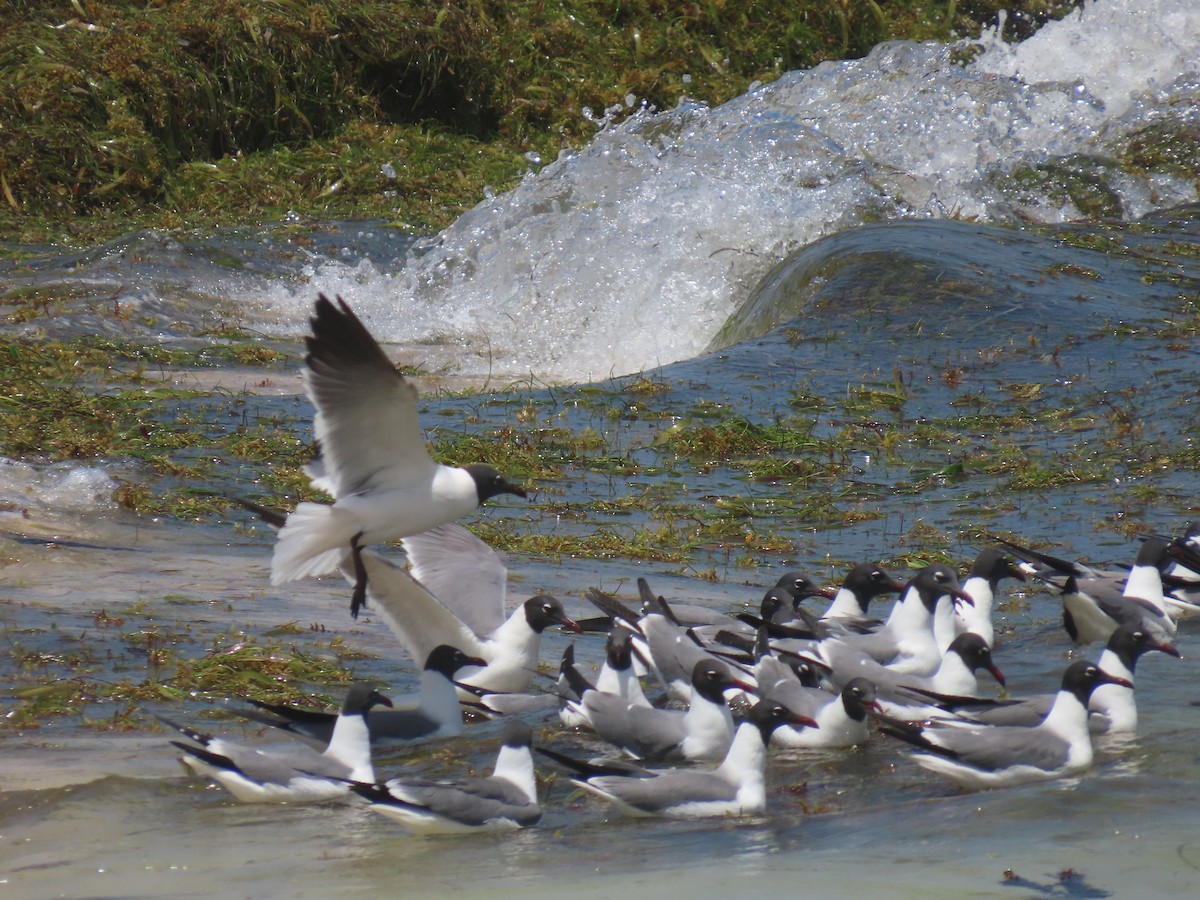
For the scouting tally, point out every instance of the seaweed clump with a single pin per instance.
(135, 113)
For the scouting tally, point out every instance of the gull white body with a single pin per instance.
(459, 600)
(293, 774)
(503, 801)
(373, 462)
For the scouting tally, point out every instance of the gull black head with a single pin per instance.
(490, 483)
(778, 605)
(936, 581)
(802, 586)
(542, 611)
(361, 697)
(857, 697)
(711, 678)
(517, 734)
(618, 650)
(448, 660)
(976, 653)
(994, 564)
(1154, 552)
(808, 671)
(868, 581)
(1083, 677)
(769, 715)
(1131, 640)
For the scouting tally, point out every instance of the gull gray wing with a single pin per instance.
(279, 766)
(641, 730)
(418, 620)
(992, 748)
(366, 421)
(667, 791)
(1026, 712)
(469, 800)
(467, 576)
(473, 802)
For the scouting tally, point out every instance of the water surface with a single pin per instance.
(802, 254)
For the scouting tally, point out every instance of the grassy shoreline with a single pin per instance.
(138, 114)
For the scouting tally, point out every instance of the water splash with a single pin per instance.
(633, 251)
(45, 493)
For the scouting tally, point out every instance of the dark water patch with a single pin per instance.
(968, 280)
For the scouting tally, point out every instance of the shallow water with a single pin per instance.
(87, 813)
(953, 318)
(93, 814)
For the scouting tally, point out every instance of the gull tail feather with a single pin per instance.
(312, 542)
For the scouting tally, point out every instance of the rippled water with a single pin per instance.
(952, 317)
(87, 813)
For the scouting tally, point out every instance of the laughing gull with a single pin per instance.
(671, 649)
(903, 694)
(434, 712)
(374, 460)
(907, 642)
(465, 609)
(1097, 605)
(862, 584)
(616, 678)
(1096, 601)
(792, 589)
(989, 756)
(703, 731)
(991, 566)
(617, 674)
(1147, 579)
(504, 800)
(297, 774)
(1183, 573)
(841, 718)
(778, 605)
(1111, 708)
(779, 608)
(735, 788)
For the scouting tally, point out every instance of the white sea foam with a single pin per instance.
(1119, 49)
(54, 491)
(634, 250)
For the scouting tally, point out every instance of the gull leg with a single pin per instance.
(359, 598)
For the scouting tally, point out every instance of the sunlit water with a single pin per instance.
(738, 229)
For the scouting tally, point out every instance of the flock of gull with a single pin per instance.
(688, 702)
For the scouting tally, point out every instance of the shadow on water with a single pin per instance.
(1066, 884)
